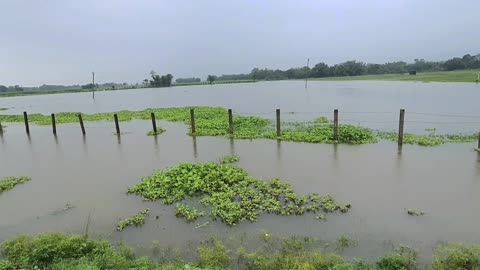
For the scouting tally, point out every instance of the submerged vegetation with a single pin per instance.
(137, 220)
(230, 159)
(230, 193)
(213, 121)
(61, 251)
(10, 182)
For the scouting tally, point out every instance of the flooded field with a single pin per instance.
(92, 173)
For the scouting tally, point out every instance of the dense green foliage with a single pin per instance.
(229, 193)
(188, 80)
(159, 81)
(58, 251)
(187, 212)
(137, 220)
(230, 159)
(354, 68)
(10, 182)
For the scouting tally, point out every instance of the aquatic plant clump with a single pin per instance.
(187, 212)
(430, 139)
(415, 212)
(10, 182)
(229, 193)
(137, 220)
(230, 159)
(213, 121)
(158, 132)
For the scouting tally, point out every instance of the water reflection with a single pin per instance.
(84, 144)
(232, 147)
(195, 152)
(279, 151)
(335, 151)
(155, 142)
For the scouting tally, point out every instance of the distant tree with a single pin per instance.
(320, 70)
(89, 86)
(211, 78)
(455, 63)
(18, 88)
(3, 88)
(145, 82)
(188, 80)
(163, 81)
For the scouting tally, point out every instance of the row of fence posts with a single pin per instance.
(401, 124)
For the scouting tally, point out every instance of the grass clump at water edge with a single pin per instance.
(137, 220)
(158, 132)
(58, 251)
(230, 193)
(10, 182)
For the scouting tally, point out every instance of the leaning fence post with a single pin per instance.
(230, 122)
(154, 123)
(81, 123)
(278, 123)
(25, 118)
(401, 126)
(117, 126)
(192, 120)
(54, 125)
(335, 125)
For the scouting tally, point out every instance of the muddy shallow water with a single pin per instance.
(93, 172)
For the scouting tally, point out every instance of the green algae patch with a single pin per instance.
(228, 193)
(10, 182)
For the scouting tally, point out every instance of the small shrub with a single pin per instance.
(213, 255)
(456, 257)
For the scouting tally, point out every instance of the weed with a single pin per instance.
(231, 194)
(415, 212)
(230, 159)
(189, 213)
(344, 241)
(153, 133)
(321, 120)
(10, 182)
(214, 254)
(137, 220)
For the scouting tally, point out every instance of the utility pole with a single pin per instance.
(306, 79)
(93, 84)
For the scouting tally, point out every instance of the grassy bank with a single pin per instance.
(58, 251)
(212, 121)
(441, 76)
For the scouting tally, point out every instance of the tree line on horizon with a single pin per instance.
(355, 68)
(320, 70)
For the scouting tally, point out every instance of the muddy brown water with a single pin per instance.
(92, 173)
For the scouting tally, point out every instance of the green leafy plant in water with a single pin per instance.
(230, 193)
(189, 213)
(230, 159)
(10, 182)
(430, 139)
(153, 133)
(344, 241)
(3, 109)
(137, 220)
(321, 120)
(415, 212)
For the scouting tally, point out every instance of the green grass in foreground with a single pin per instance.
(212, 121)
(440, 76)
(10, 182)
(58, 251)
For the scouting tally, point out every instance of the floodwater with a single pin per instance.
(93, 172)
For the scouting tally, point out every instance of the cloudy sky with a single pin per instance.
(63, 41)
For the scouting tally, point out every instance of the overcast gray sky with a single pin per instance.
(62, 41)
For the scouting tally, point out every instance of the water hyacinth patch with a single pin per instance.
(10, 182)
(229, 193)
(230, 159)
(137, 220)
(158, 132)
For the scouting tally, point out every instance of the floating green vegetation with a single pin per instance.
(321, 120)
(137, 220)
(415, 212)
(187, 212)
(3, 109)
(158, 132)
(231, 194)
(213, 121)
(61, 251)
(430, 139)
(230, 159)
(10, 182)
(477, 149)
